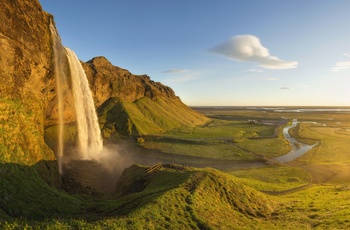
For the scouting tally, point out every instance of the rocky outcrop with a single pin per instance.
(25, 47)
(108, 81)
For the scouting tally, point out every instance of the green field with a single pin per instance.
(233, 139)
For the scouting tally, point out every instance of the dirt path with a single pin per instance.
(288, 190)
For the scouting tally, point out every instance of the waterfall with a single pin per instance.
(60, 74)
(89, 134)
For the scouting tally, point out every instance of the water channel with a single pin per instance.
(298, 148)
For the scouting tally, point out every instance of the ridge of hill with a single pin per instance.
(145, 116)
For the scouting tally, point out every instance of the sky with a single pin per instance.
(220, 53)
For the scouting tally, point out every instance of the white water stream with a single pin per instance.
(89, 134)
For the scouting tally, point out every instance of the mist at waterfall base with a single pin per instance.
(100, 173)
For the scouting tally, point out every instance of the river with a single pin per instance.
(298, 148)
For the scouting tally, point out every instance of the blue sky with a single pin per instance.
(225, 52)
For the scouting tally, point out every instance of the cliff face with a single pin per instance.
(108, 81)
(26, 81)
(27, 84)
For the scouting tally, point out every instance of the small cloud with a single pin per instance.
(340, 66)
(182, 78)
(249, 48)
(175, 71)
(255, 70)
(286, 88)
(347, 54)
(271, 79)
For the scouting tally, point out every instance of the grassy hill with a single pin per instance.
(146, 116)
(170, 198)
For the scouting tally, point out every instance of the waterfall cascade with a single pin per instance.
(59, 55)
(89, 163)
(89, 134)
(90, 143)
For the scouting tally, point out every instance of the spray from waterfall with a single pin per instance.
(90, 143)
(90, 163)
(60, 80)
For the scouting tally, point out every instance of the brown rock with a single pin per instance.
(110, 81)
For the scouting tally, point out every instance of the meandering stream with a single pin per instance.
(298, 148)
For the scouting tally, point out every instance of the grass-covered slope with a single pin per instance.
(146, 116)
(24, 194)
(198, 199)
(170, 198)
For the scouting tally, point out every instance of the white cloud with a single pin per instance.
(271, 79)
(340, 66)
(255, 70)
(175, 71)
(249, 48)
(347, 54)
(296, 86)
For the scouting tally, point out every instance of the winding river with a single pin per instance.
(298, 148)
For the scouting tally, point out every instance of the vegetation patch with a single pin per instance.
(273, 178)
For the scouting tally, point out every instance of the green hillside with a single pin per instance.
(146, 116)
(170, 198)
(173, 197)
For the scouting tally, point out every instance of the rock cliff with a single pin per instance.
(108, 81)
(26, 81)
